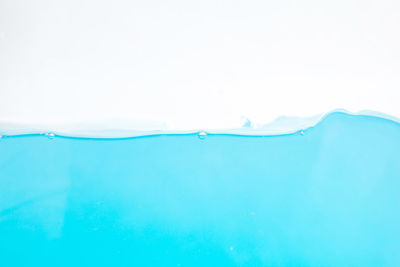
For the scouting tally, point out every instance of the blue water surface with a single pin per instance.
(328, 196)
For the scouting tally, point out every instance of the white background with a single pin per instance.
(196, 64)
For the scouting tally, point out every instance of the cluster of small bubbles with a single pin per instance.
(202, 135)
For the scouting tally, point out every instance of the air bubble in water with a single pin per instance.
(202, 135)
(302, 132)
(50, 135)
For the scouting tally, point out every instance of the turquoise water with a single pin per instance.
(328, 196)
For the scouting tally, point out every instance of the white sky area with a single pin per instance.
(196, 64)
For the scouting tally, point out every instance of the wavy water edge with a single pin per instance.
(282, 125)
